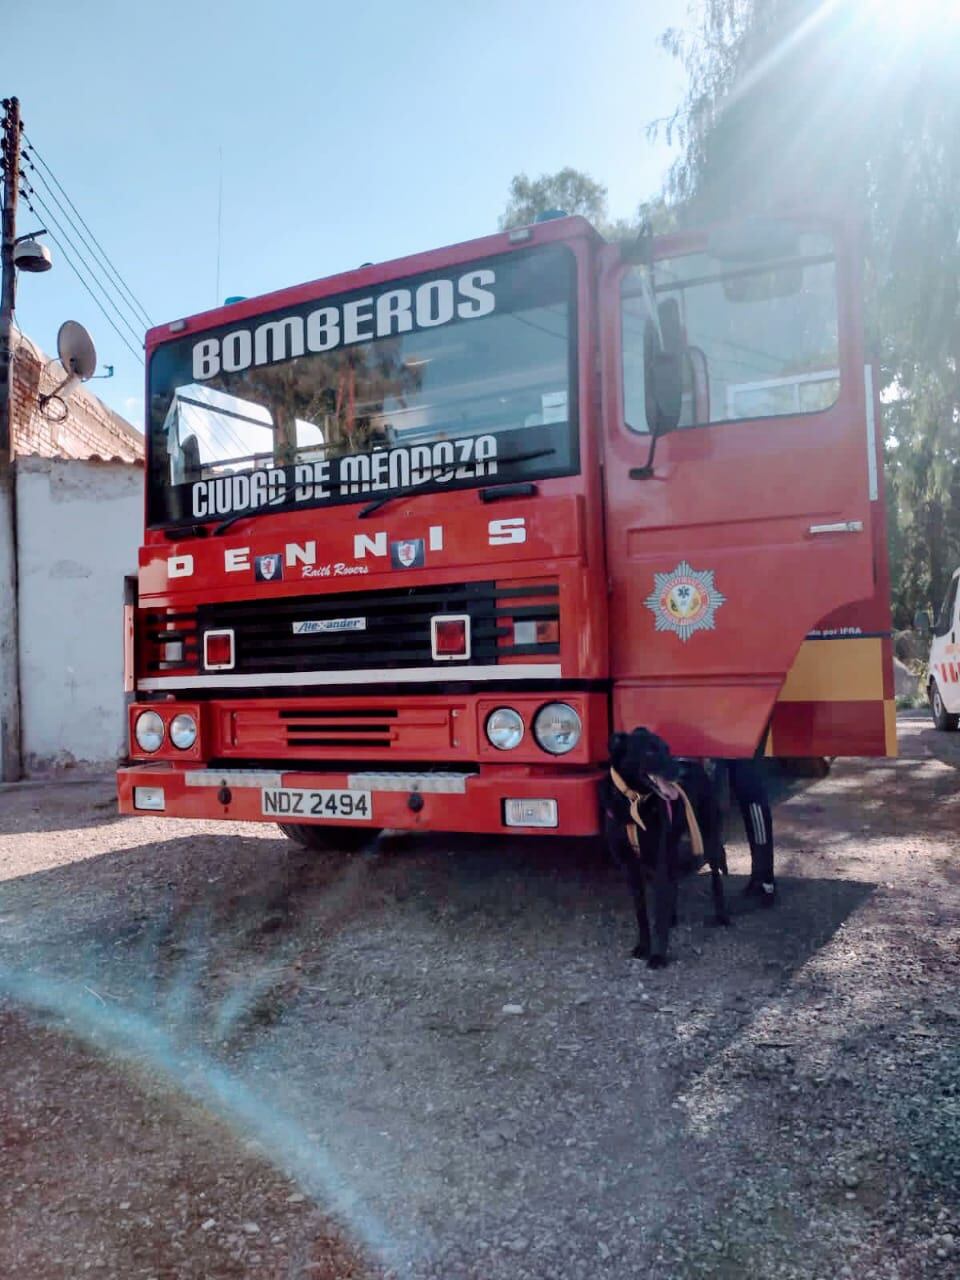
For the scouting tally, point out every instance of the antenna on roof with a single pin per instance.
(219, 217)
(78, 356)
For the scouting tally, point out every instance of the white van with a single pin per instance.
(943, 680)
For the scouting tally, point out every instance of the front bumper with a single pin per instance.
(401, 799)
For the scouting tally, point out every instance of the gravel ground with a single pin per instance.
(445, 1048)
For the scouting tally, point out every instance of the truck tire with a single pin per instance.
(942, 718)
(323, 839)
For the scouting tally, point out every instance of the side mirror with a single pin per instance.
(922, 622)
(699, 384)
(665, 401)
(664, 356)
(664, 359)
(751, 249)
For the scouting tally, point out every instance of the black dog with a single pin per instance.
(646, 816)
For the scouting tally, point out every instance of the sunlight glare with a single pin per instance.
(918, 15)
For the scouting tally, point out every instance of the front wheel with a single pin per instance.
(311, 835)
(942, 718)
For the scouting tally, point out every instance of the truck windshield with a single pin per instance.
(439, 381)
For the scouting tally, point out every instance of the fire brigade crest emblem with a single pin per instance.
(407, 555)
(685, 601)
(268, 568)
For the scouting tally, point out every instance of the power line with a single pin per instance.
(95, 269)
(33, 152)
(27, 198)
(50, 216)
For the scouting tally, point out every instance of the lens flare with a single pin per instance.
(917, 16)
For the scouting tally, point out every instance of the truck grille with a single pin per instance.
(339, 728)
(396, 626)
(259, 731)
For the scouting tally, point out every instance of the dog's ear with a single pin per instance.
(617, 744)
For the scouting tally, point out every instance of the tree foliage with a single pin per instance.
(576, 193)
(567, 189)
(825, 104)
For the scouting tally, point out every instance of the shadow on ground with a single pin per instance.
(366, 995)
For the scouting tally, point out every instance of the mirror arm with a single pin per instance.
(639, 252)
(646, 471)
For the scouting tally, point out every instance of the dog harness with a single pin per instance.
(669, 793)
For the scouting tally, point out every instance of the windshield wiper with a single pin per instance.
(377, 503)
(527, 457)
(224, 525)
(287, 502)
(186, 531)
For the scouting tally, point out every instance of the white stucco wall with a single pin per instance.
(79, 525)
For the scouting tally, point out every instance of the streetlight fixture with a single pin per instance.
(29, 254)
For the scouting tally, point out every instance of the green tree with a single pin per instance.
(568, 189)
(799, 101)
(576, 193)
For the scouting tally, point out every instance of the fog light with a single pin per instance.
(505, 728)
(148, 731)
(530, 813)
(173, 651)
(218, 650)
(183, 731)
(450, 636)
(557, 728)
(148, 798)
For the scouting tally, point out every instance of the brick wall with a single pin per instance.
(89, 429)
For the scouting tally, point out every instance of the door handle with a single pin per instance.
(844, 526)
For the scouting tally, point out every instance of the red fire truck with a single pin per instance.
(419, 535)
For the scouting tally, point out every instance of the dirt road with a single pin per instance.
(202, 1024)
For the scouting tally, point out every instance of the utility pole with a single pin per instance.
(10, 757)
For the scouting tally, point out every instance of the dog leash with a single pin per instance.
(667, 791)
(634, 799)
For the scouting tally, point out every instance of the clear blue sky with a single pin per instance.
(348, 133)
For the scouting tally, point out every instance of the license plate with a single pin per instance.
(293, 802)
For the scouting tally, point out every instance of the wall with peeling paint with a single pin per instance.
(79, 524)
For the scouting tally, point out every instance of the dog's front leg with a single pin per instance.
(662, 900)
(720, 913)
(638, 888)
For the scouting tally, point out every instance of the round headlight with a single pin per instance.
(183, 731)
(557, 728)
(504, 728)
(149, 731)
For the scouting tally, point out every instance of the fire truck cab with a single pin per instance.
(418, 536)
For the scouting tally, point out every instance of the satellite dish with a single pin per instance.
(77, 353)
(78, 356)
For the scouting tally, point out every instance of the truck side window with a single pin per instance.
(761, 335)
(945, 620)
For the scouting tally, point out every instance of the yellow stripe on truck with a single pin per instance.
(844, 670)
(890, 726)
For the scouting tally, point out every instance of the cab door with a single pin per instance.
(753, 522)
